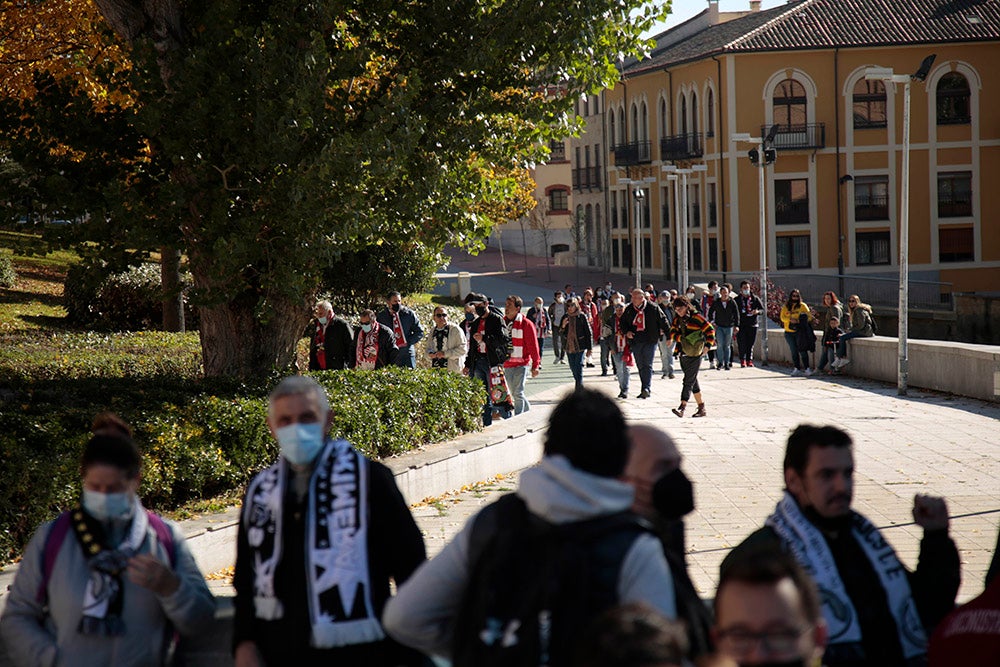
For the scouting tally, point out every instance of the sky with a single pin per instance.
(682, 10)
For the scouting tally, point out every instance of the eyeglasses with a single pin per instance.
(440, 315)
(741, 642)
(852, 301)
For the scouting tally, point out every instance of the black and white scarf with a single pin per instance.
(337, 577)
(809, 547)
(103, 599)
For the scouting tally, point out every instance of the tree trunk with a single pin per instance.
(173, 295)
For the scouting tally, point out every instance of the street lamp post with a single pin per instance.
(631, 233)
(762, 142)
(683, 221)
(638, 195)
(676, 233)
(887, 75)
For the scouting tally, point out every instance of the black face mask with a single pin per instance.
(673, 495)
(481, 310)
(395, 307)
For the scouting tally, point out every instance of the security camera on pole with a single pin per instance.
(888, 76)
(761, 157)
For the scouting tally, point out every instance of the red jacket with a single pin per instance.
(524, 343)
(590, 312)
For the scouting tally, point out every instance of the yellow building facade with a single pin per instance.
(832, 196)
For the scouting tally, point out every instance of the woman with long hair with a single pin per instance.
(861, 327)
(790, 313)
(577, 334)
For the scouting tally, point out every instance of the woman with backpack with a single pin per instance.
(691, 334)
(862, 326)
(107, 583)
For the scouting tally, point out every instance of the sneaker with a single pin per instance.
(663, 375)
(670, 375)
(679, 410)
(603, 373)
(729, 367)
(796, 372)
(719, 367)
(844, 362)
(590, 365)
(622, 395)
(750, 364)
(743, 363)
(808, 372)
(644, 393)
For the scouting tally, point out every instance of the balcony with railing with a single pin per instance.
(790, 137)
(871, 207)
(681, 147)
(632, 153)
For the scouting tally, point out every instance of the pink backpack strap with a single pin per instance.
(53, 542)
(163, 535)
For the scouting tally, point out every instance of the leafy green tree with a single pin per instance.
(266, 139)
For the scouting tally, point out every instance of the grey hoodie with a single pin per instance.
(422, 615)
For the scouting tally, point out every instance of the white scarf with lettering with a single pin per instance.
(810, 549)
(337, 578)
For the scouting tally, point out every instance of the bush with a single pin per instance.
(8, 276)
(199, 437)
(127, 301)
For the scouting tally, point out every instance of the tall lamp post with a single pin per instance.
(631, 228)
(887, 75)
(684, 218)
(673, 178)
(638, 195)
(761, 158)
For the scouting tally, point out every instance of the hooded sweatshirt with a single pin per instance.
(422, 615)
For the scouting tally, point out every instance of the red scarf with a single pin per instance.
(481, 329)
(621, 342)
(397, 328)
(367, 352)
(320, 347)
(640, 317)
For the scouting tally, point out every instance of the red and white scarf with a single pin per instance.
(515, 333)
(368, 348)
(640, 317)
(481, 329)
(320, 340)
(397, 328)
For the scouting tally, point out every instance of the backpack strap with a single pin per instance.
(163, 535)
(53, 542)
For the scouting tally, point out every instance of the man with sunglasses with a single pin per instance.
(446, 346)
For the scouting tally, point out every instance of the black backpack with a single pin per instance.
(536, 586)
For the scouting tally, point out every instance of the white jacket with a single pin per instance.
(454, 348)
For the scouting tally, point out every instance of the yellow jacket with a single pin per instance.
(791, 318)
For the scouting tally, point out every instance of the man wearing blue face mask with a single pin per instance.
(373, 345)
(108, 582)
(322, 532)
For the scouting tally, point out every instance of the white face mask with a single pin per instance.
(366, 327)
(300, 443)
(559, 299)
(107, 506)
(745, 292)
(323, 320)
(690, 295)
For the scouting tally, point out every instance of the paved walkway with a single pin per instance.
(923, 443)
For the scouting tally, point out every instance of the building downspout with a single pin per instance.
(836, 125)
(721, 190)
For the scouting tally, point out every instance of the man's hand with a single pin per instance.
(630, 335)
(146, 571)
(930, 512)
(478, 337)
(534, 372)
(465, 371)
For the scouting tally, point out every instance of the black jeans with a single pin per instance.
(690, 366)
(746, 337)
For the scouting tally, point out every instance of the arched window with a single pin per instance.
(664, 128)
(644, 127)
(612, 129)
(869, 104)
(953, 100)
(635, 123)
(684, 114)
(621, 126)
(790, 104)
(710, 120)
(694, 112)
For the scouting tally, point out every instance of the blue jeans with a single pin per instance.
(576, 366)
(842, 345)
(622, 372)
(724, 337)
(606, 352)
(557, 346)
(406, 357)
(481, 371)
(642, 352)
(826, 356)
(793, 349)
(666, 347)
(515, 382)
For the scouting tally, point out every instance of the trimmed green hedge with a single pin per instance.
(199, 437)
